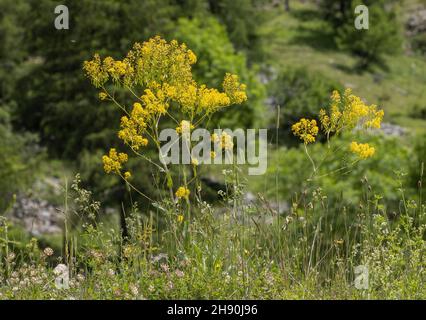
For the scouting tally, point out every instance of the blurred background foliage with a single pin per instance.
(292, 56)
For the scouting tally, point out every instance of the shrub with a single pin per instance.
(382, 38)
(336, 12)
(53, 89)
(241, 18)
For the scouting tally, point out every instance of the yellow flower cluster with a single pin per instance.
(335, 96)
(155, 103)
(375, 118)
(224, 140)
(210, 100)
(118, 70)
(330, 123)
(95, 71)
(164, 71)
(363, 150)
(100, 71)
(234, 89)
(196, 100)
(157, 62)
(182, 192)
(349, 111)
(133, 128)
(194, 161)
(102, 96)
(113, 162)
(184, 126)
(306, 130)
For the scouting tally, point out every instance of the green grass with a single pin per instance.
(239, 252)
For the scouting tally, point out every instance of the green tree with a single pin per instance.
(370, 45)
(55, 92)
(18, 150)
(241, 18)
(12, 48)
(337, 12)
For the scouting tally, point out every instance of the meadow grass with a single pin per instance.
(237, 250)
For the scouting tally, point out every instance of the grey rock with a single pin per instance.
(37, 216)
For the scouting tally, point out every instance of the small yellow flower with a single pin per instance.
(224, 140)
(215, 138)
(184, 127)
(182, 192)
(113, 161)
(335, 96)
(103, 96)
(363, 150)
(348, 111)
(212, 154)
(375, 118)
(192, 58)
(194, 162)
(180, 218)
(133, 127)
(306, 130)
(234, 89)
(127, 175)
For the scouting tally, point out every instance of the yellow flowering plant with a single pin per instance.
(307, 130)
(113, 161)
(223, 140)
(363, 150)
(345, 113)
(157, 74)
(182, 192)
